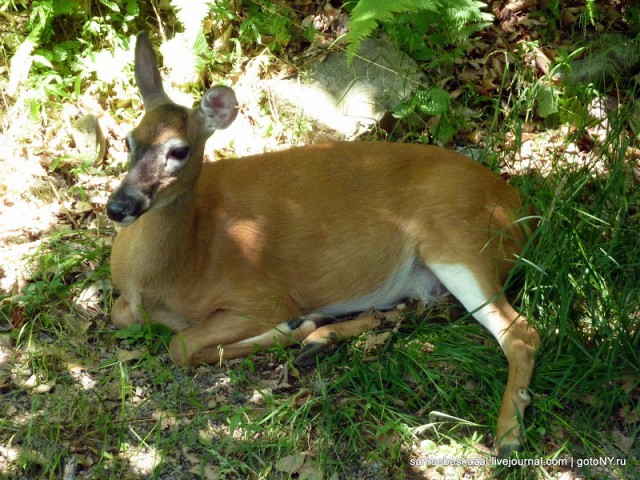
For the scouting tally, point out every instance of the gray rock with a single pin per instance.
(90, 141)
(342, 100)
(614, 57)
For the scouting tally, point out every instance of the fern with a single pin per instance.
(367, 14)
(449, 21)
(465, 17)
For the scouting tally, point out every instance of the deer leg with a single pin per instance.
(229, 335)
(519, 342)
(517, 339)
(318, 330)
(326, 335)
(197, 344)
(124, 313)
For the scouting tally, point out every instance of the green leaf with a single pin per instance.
(434, 101)
(546, 101)
(65, 7)
(111, 5)
(160, 330)
(132, 331)
(42, 61)
(444, 130)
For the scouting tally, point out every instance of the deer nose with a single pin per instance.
(125, 206)
(117, 211)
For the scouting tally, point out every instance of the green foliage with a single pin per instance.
(267, 23)
(434, 102)
(367, 15)
(191, 14)
(590, 11)
(430, 31)
(152, 335)
(62, 45)
(361, 412)
(409, 21)
(59, 264)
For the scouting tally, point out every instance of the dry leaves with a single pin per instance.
(300, 465)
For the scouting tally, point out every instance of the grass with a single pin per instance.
(427, 386)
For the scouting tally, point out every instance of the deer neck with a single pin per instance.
(166, 237)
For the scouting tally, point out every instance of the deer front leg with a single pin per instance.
(328, 333)
(125, 313)
(229, 334)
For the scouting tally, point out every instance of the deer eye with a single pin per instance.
(179, 153)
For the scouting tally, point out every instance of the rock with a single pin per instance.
(614, 57)
(342, 100)
(89, 138)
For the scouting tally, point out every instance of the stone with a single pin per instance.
(342, 100)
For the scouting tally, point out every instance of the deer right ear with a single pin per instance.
(219, 108)
(147, 74)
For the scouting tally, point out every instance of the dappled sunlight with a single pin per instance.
(108, 65)
(81, 376)
(8, 455)
(20, 417)
(142, 459)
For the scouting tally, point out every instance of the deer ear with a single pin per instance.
(147, 74)
(218, 107)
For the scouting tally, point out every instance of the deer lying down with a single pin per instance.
(271, 248)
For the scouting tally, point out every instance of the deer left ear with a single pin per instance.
(219, 108)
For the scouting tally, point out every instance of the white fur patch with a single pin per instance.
(411, 280)
(463, 285)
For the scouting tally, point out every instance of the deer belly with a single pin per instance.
(411, 281)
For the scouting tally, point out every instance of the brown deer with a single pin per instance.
(270, 249)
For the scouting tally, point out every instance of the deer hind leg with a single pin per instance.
(517, 339)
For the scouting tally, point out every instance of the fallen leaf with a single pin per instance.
(629, 415)
(82, 207)
(9, 411)
(290, 463)
(6, 349)
(375, 340)
(622, 441)
(38, 387)
(310, 471)
(128, 355)
(166, 418)
(209, 472)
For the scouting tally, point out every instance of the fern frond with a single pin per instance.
(367, 14)
(466, 17)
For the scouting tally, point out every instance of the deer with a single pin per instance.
(281, 248)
